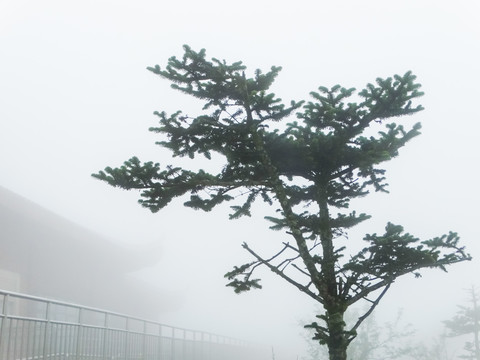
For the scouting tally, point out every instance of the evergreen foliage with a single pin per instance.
(467, 322)
(303, 168)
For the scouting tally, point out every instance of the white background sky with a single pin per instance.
(75, 97)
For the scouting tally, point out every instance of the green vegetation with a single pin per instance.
(304, 168)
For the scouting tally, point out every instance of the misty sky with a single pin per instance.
(75, 96)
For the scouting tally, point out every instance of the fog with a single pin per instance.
(75, 96)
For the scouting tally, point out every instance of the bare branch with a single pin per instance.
(291, 247)
(284, 264)
(302, 271)
(370, 310)
(274, 269)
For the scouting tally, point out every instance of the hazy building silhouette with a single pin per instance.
(43, 254)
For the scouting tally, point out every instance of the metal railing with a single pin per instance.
(37, 328)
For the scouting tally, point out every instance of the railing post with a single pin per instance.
(47, 328)
(126, 337)
(209, 357)
(105, 329)
(4, 320)
(160, 347)
(144, 340)
(173, 343)
(184, 344)
(202, 346)
(79, 333)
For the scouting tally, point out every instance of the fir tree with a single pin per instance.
(303, 169)
(467, 322)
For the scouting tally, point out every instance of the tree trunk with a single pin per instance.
(337, 341)
(337, 352)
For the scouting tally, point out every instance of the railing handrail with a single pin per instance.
(46, 318)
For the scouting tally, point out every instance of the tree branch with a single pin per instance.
(282, 275)
(370, 310)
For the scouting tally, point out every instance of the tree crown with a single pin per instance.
(304, 167)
